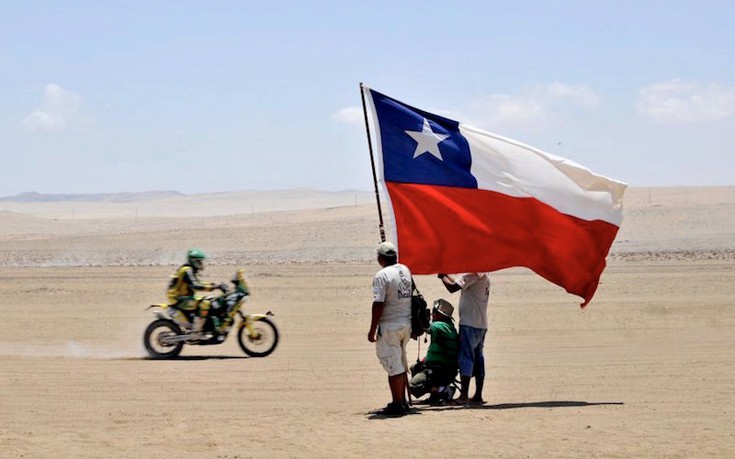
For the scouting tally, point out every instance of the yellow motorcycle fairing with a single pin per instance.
(249, 319)
(163, 308)
(168, 312)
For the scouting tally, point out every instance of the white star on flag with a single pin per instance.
(427, 141)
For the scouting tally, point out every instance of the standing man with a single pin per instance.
(390, 327)
(472, 330)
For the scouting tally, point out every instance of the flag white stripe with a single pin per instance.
(506, 166)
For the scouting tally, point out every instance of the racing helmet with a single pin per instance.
(194, 257)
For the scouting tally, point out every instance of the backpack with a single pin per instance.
(420, 317)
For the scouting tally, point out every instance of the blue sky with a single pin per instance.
(206, 96)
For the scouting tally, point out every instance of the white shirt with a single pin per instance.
(474, 299)
(392, 286)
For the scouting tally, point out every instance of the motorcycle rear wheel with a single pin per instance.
(263, 341)
(152, 339)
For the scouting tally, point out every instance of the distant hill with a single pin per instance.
(32, 196)
(173, 204)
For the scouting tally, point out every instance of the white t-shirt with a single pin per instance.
(474, 299)
(392, 286)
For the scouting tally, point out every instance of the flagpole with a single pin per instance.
(372, 164)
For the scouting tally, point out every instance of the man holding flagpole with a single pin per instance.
(390, 325)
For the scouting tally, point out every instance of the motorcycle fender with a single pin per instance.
(160, 309)
(256, 317)
(250, 318)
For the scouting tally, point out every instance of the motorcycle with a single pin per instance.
(166, 336)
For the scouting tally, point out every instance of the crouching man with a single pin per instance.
(437, 371)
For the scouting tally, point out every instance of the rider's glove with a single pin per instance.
(222, 287)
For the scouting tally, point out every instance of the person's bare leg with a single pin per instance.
(479, 382)
(397, 385)
(464, 390)
(478, 371)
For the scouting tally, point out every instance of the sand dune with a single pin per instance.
(658, 223)
(191, 206)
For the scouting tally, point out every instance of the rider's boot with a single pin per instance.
(196, 328)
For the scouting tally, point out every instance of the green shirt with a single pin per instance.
(444, 344)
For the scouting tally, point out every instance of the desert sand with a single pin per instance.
(646, 370)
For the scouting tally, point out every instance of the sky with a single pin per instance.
(212, 96)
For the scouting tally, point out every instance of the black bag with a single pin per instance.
(420, 318)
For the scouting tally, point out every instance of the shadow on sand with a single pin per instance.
(190, 357)
(374, 415)
(549, 404)
(421, 405)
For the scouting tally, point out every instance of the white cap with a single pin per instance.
(387, 249)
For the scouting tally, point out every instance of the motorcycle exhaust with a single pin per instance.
(173, 339)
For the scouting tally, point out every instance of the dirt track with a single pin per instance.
(646, 370)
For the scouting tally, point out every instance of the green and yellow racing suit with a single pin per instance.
(182, 291)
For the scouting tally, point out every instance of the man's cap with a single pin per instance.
(387, 249)
(444, 307)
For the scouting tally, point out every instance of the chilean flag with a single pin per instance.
(465, 200)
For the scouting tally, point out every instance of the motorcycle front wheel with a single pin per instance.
(152, 339)
(262, 341)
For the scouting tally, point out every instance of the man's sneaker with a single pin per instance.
(436, 399)
(395, 409)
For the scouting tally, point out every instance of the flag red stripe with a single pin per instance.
(472, 230)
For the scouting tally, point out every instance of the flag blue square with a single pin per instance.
(403, 163)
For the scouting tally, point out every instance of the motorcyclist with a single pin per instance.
(183, 287)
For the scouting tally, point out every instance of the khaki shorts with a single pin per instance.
(391, 348)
